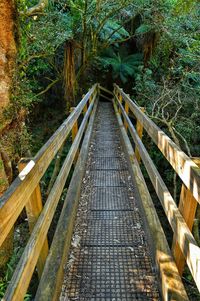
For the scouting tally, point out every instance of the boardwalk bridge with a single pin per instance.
(109, 243)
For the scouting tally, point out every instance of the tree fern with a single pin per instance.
(123, 65)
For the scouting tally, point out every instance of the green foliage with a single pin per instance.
(113, 32)
(171, 83)
(143, 28)
(123, 65)
(11, 265)
(49, 32)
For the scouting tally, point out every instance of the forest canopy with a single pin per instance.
(153, 45)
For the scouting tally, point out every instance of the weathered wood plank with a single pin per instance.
(33, 209)
(74, 132)
(187, 170)
(51, 282)
(14, 200)
(182, 233)
(127, 112)
(187, 207)
(139, 129)
(171, 284)
(85, 109)
(23, 273)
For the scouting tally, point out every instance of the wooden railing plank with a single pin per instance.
(187, 170)
(33, 210)
(105, 90)
(184, 237)
(187, 206)
(171, 284)
(107, 98)
(23, 273)
(14, 200)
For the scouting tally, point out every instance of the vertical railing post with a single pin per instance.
(74, 133)
(187, 207)
(33, 209)
(85, 109)
(120, 100)
(90, 98)
(139, 129)
(127, 112)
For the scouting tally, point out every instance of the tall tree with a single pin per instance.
(8, 53)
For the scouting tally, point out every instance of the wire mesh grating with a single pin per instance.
(113, 261)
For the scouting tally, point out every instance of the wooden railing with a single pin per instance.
(181, 219)
(25, 192)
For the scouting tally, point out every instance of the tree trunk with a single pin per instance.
(69, 75)
(8, 53)
(7, 50)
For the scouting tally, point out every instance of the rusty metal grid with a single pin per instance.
(113, 262)
(111, 273)
(111, 198)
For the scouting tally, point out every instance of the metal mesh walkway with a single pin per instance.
(110, 257)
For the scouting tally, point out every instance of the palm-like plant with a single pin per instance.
(123, 65)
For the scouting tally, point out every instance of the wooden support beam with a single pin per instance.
(171, 284)
(119, 98)
(33, 209)
(127, 112)
(187, 207)
(139, 129)
(85, 107)
(75, 126)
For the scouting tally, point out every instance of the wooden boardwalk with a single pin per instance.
(110, 257)
(109, 244)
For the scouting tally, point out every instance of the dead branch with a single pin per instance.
(48, 87)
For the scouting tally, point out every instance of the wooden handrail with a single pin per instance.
(24, 186)
(52, 278)
(183, 235)
(15, 198)
(187, 170)
(171, 284)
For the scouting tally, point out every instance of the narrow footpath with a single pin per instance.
(110, 257)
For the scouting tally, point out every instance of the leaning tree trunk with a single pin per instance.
(7, 65)
(69, 75)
